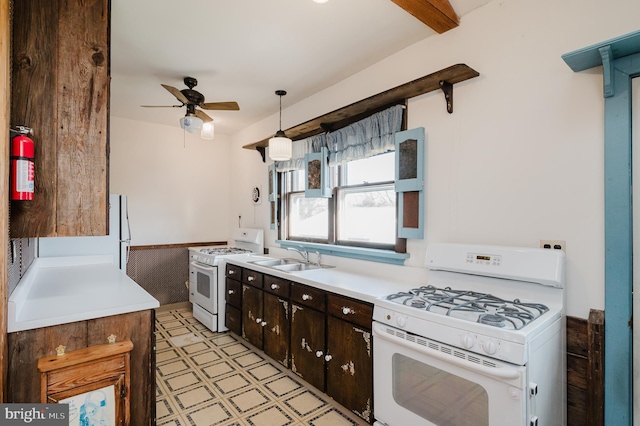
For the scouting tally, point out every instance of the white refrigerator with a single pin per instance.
(116, 244)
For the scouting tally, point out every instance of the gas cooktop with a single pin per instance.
(472, 306)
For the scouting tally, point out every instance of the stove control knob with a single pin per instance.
(467, 341)
(401, 320)
(490, 347)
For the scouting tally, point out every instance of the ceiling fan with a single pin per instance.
(193, 99)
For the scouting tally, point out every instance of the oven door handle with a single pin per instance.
(501, 373)
(202, 266)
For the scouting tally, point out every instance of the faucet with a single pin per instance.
(302, 252)
(318, 262)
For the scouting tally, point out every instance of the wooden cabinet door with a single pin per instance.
(307, 344)
(24, 349)
(139, 328)
(350, 367)
(252, 318)
(276, 332)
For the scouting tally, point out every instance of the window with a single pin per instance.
(361, 211)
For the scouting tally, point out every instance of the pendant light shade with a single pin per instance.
(280, 146)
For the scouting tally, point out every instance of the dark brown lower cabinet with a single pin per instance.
(26, 347)
(252, 318)
(276, 332)
(350, 366)
(307, 344)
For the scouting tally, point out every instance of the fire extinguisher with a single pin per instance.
(22, 164)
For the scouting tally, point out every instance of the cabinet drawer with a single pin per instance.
(276, 285)
(355, 311)
(234, 293)
(308, 296)
(234, 272)
(253, 278)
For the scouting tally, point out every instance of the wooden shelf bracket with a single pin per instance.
(447, 89)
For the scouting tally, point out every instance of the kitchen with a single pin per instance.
(528, 117)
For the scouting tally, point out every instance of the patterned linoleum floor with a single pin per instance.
(207, 378)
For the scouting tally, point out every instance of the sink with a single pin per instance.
(300, 267)
(275, 262)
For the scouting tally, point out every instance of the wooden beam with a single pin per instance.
(361, 109)
(437, 14)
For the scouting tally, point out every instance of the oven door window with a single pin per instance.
(203, 282)
(438, 396)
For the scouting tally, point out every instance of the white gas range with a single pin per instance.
(206, 274)
(482, 343)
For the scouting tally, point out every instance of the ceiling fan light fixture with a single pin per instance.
(280, 146)
(320, 1)
(207, 131)
(191, 124)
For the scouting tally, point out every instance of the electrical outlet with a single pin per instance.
(553, 244)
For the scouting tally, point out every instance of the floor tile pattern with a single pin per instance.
(207, 378)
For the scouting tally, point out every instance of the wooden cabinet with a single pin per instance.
(60, 88)
(252, 318)
(308, 334)
(233, 306)
(276, 312)
(349, 354)
(26, 347)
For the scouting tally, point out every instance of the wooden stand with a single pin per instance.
(86, 377)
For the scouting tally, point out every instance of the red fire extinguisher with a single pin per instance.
(22, 162)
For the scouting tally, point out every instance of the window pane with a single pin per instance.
(309, 217)
(379, 168)
(367, 214)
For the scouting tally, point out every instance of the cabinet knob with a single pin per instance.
(328, 357)
(319, 354)
(230, 292)
(274, 286)
(231, 272)
(258, 320)
(306, 297)
(348, 311)
(250, 278)
(263, 323)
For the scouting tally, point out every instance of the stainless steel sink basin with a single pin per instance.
(300, 267)
(275, 262)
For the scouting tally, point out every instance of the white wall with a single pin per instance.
(519, 160)
(177, 183)
(521, 157)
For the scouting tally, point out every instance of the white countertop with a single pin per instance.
(336, 280)
(60, 290)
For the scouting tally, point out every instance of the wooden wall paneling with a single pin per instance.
(5, 99)
(32, 104)
(138, 327)
(25, 347)
(595, 371)
(82, 93)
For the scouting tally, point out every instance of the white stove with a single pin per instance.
(491, 320)
(206, 274)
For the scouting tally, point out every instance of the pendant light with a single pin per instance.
(280, 145)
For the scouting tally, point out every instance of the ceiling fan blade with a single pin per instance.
(161, 106)
(177, 93)
(202, 116)
(222, 106)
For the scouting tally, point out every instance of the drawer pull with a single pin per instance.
(347, 311)
(232, 292)
(328, 358)
(306, 297)
(274, 286)
(250, 278)
(319, 354)
(231, 272)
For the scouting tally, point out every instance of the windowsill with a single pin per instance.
(373, 255)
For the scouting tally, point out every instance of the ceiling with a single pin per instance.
(245, 50)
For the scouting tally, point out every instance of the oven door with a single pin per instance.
(203, 286)
(418, 381)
